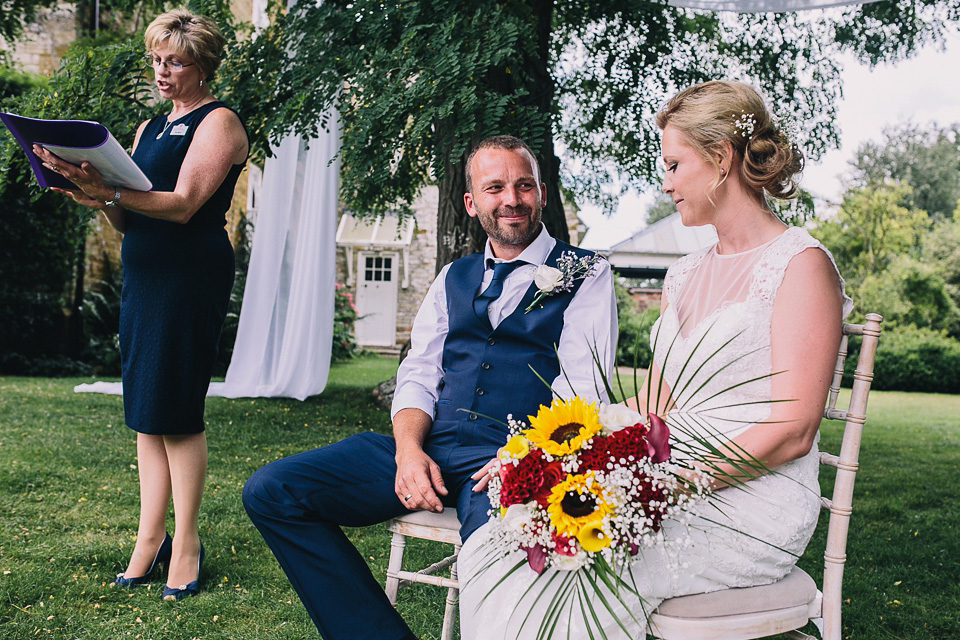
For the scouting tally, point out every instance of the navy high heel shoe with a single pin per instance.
(185, 590)
(163, 556)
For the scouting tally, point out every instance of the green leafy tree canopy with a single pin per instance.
(926, 158)
(873, 225)
(418, 82)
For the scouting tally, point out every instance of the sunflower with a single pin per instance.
(562, 428)
(575, 503)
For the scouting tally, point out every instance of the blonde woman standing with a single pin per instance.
(178, 271)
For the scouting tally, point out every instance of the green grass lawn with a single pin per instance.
(68, 486)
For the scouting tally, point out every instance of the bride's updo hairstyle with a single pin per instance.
(712, 113)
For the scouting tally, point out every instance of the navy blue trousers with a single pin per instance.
(299, 504)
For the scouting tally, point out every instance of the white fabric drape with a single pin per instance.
(286, 325)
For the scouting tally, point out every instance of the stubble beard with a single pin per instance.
(508, 235)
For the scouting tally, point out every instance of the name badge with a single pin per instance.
(179, 130)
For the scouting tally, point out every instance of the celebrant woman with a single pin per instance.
(178, 269)
(744, 351)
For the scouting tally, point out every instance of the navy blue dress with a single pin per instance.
(176, 285)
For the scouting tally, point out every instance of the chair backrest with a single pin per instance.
(847, 463)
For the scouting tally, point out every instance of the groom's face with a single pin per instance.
(507, 197)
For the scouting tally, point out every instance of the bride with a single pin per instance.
(772, 295)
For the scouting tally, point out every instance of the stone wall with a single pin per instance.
(645, 298)
(421, 263)
(47, 40)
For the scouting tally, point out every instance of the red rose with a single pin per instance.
(564, 545)
(551, 475)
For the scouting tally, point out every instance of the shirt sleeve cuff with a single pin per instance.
(412, 396)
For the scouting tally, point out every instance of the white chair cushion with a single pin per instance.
(797, 588)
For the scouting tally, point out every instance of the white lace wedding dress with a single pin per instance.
(712, 299)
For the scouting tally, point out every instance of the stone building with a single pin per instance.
(46, 40)
(649, 253)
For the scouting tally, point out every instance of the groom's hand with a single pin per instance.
(419, 481)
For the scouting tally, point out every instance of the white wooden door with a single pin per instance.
(377, 298)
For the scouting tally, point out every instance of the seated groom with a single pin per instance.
(473, 354)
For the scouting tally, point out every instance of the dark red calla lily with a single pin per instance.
(537, 558)
(658, 439)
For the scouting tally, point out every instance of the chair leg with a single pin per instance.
(395, 564)
(453, 598)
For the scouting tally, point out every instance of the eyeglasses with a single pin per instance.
(170, 65)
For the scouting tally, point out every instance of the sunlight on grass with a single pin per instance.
(68, 495)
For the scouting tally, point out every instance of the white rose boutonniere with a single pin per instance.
(547, 278)
(569, 269)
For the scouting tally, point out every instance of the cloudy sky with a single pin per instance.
(922, 89)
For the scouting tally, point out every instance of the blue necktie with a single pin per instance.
(500, 272)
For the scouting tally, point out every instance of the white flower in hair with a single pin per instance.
(745, 123)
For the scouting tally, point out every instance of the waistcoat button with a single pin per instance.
(491, 342)
(473, 416)
(480, 391)
(485, 365)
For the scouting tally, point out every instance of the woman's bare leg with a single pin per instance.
(187, 459)
(154, 500)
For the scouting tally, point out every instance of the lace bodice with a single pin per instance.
(712, 343)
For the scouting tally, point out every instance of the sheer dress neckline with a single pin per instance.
(759, 247)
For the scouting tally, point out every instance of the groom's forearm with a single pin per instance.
(419, 482)
(410, 428)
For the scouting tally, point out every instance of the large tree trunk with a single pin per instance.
(457, 233)
(542, 88)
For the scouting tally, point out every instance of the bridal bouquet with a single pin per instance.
(584, 487)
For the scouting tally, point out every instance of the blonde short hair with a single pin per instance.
(188, 34)
(713, 113)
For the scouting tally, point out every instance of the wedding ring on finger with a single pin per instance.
(407, 497)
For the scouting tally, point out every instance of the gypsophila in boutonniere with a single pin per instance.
(569, 269)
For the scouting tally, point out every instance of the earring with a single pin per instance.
(722, 171)
(201, 84)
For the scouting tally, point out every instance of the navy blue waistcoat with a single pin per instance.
(493, 372)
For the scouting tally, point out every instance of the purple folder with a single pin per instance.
(83, 138)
